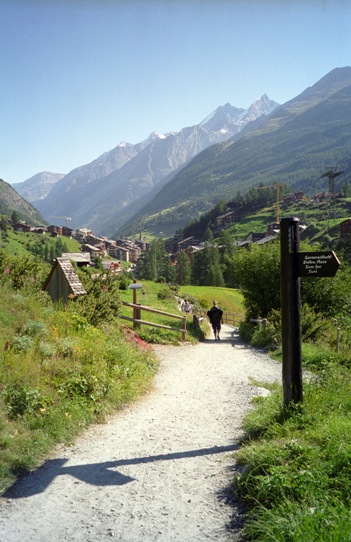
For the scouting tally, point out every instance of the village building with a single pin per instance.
(226, 219)
(183, 244)
(251, 238)
(91, 239)
(112, 266)
(345, 227)
(80, 258)
(94, 251)
(133, 249)
(40, 230)
(109, 243)
(81, 234)
(191, 250)
(22, 226)
(120, 253)
(67, 232)
(273, 229)
(293, 198)
(142, 244)
(55, 231)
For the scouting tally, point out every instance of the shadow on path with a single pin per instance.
(98, 474)
(229, 335)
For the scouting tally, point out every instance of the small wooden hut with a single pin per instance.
(63, 282)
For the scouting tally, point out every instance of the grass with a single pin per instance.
(324, 216)
(229, 299)
(20, 241)
(257, 222)
(167, 303)
(296, 462)
(58, 374)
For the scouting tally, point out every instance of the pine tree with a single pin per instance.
(183, 269)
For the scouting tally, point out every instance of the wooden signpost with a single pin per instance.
(136, 310)
(296, 264)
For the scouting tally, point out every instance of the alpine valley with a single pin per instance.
(105, 193)
(162, 183)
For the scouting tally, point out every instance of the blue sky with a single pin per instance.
(80, 76)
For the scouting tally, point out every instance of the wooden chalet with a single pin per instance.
(226, 219)
(93, 250)
(251, 238)
(55, 231)
(22, 226)
(183, 244)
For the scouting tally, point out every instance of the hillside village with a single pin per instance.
(112, 252)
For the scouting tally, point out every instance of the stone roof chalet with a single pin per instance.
(63, 282)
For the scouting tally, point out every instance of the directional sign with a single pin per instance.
(317, 264)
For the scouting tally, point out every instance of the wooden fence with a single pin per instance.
(137, 321)
(230, 318)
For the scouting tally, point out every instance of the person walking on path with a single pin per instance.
(215, 315)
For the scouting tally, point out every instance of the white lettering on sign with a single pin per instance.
(313, 263)
(320, 264)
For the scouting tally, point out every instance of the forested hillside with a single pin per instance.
(11, 201)
(297, 143)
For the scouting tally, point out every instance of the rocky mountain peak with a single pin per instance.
(128, 173)
(263, 106)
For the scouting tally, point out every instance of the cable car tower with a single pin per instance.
(331, 177)
(331, 174)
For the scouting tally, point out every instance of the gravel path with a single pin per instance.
(157, 471)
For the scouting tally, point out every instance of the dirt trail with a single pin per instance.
(157, 471)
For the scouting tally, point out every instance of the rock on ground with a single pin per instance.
(161, 469)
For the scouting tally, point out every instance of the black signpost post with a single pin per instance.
(290, 311)
(293, 265)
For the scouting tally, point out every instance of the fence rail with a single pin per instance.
(230, 318)
(137, 321)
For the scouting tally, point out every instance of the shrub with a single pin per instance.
(23, 343)
(257, 272)
(124, 282)
(102, 302)
(165, 293)
(265, 337)
(246, 330)
(35, 329)
(21, 400)
(204, 304)
(313, 326)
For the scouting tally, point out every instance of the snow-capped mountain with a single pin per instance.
(96, 194)
(230, 120)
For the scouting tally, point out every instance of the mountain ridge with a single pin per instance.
(11, 200)
(294, 144)
(94, 194)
